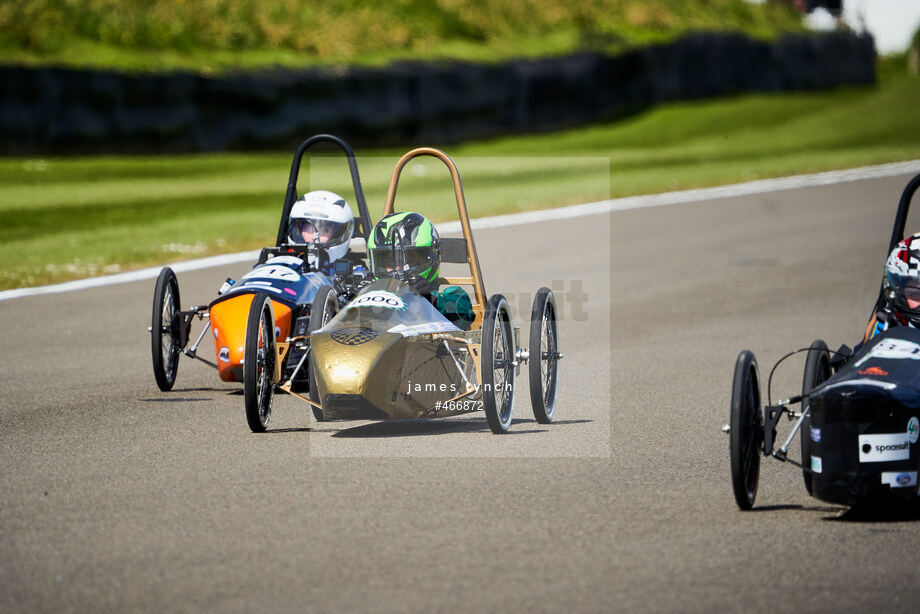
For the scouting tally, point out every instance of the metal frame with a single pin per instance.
(472, 259)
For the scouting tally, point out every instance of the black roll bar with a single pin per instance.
(897, 233)
(362, 221)
(900, 219)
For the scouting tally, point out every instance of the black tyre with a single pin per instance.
(498, 364)
(325, 306)
(259, 363)
(164, 329)
(746, 421)
(544, 356)
(817, 371)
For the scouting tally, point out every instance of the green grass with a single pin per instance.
(211, 36)
(65, 218)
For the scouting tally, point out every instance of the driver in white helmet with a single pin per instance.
(325, 218)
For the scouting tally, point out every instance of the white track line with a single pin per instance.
(529, 217)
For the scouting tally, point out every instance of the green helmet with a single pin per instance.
(405, 245)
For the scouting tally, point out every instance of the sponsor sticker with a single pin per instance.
(873, 371)
(378, 298)
(354, 336)
(816, 465)
(423, 329)
(269, 271)
(215, 333)
(293, 261)
(224, 354)
(913, 429)
(892, 348)
(884, 448)
(816, 434)
(899, 479)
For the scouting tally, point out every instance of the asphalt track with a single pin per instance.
(117, 497)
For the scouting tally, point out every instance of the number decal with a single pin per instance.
(378, 298)
(278, 273)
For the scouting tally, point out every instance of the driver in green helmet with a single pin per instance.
(406, 246)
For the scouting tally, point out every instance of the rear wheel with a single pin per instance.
(817, 371)
(498, 364)
(746, 422)
(544, 356)
(324, 308)
(259, 363)
(164, 329)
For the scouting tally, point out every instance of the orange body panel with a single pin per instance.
(228, 323)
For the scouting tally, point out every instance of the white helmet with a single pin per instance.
(324, 215)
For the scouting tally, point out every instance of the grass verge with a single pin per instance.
(67, 218)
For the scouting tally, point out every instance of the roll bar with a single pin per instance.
(362, 221)
(897, 233)
(472, 259)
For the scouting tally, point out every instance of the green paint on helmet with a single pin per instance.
(408, 236)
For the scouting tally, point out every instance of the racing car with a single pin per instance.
(302, 296)
(857, 420)
(390, 354)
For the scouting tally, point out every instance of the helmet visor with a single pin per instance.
(393, 262)
(911, 297)
(329, 233)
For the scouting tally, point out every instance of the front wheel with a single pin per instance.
(746, 430)
(497, 364)
(817, 371)
(164, 329)
(324, 308)
(544, 356)
(259, 363)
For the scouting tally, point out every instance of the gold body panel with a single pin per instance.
(365, 369)
(390, 377)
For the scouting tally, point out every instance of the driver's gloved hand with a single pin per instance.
(423, 286)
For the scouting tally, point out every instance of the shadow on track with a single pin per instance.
(894, 512)
(173, 400)
(403, 428)
(795, 507)
(170, 397)
(302, 429)
(776, 508)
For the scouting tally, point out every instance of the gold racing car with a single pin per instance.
(389, 354)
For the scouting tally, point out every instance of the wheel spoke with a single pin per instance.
(168, 349)
(501, 365)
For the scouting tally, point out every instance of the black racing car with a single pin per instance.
(858, 420)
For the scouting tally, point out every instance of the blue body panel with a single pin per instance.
(864, 423)
(283, 279)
